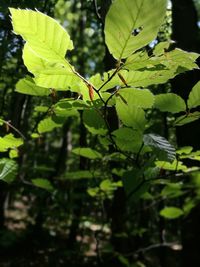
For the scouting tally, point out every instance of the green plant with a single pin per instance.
(129, 89)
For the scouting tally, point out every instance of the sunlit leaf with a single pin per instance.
(187, 118)
(28, 87)
(9, 141)
(107, 185)
(141, 60)
(43, 183)
(130, 25)
(13, 153)
(44, 35)
(184, 150)
(161, 48)
(174, 166)
(37, 65)
(147, 77)
(171, 212)
(47, 125)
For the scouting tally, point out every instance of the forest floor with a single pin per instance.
(24, 245)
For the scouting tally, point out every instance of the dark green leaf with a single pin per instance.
(8, 170)
(160, 143)
(87, 153)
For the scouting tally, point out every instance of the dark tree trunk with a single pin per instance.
(186, 34)
(117, 210)
(83, 162)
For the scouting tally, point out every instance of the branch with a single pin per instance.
(110, 78)
(13, 127)
(172, 245)
(97, 11)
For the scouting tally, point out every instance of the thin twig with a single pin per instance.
(14, 128)
(110, 78)
(153, 246)
(96, 10)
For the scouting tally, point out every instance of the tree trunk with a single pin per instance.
(186, 34)
(118, 206)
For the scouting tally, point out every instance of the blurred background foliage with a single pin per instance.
(59, 211)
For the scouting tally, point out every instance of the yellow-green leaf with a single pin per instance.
(27, 86)
(44, 35)
(130, 25)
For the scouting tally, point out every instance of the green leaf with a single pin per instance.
(66, 113)
(134, 78)
(184, 150)
(189, 205)
(28, 87)
(130, 25)
(79, 104)
(188, 118)
(123, 260)
(172, 190)
(8, 170)
(44, 35)
(173, 62)
(161, 48)
(109, 186)
(87, 153)
(56, 78)
(141, 60)
(147, 77)
(171, 212)
(194, 97)
(43, 183)
(174, 166)
(9, 141)
(169, 103)
(180, 58)
(62, 80)
(93, 192)
(42, 109)
(35, 135)
(160, 143)
(37, 65)
(98, 80)
(52, 74)
(13, 153)
(78, 175)
(64, 109)
(127, 139)
(134, 186)
(138, 97)
(94, 122)
(47, 125)
(130, 115)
